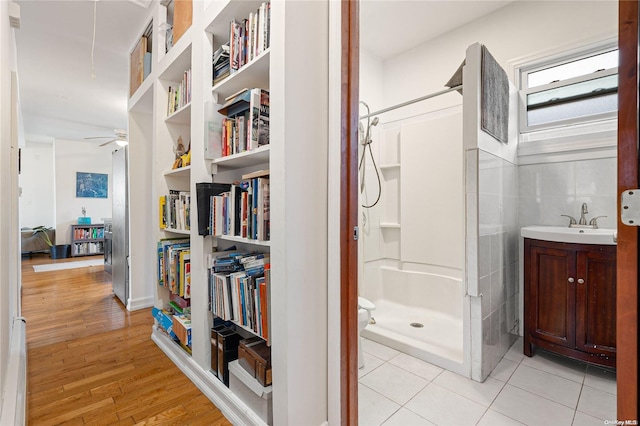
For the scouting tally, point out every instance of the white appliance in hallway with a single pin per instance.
(120, 226)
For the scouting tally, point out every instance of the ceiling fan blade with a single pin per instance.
(99, 137)
(107, 142)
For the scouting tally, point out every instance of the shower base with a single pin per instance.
(439, 340)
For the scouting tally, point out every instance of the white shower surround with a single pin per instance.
(480, 334)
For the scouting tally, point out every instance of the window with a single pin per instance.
(572, 90)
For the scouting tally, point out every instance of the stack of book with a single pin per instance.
(221, 65)
(180, 95)
(175, 210)
(174, 266)
(246, 123)
(88, 248)
(239, 289)
(243, 211)
(250, 37)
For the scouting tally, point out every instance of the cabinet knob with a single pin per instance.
(580, 281)
(570, 280)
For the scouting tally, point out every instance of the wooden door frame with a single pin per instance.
(350, 59)
(627, 249)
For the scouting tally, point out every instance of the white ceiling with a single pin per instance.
(59, 98)
(389, 27)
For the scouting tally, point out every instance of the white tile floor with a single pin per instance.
(397, 389)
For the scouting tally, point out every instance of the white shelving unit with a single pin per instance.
(297, 158)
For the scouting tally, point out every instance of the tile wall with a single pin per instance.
(492, 258)
(551, 189)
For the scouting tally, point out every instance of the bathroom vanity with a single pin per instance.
(570, 296)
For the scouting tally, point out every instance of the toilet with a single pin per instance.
(364, 316)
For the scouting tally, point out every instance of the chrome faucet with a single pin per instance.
(582, 223)
(584, 210)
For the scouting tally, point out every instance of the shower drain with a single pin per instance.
(416, 325)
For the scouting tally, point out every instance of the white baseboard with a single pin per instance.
(227, 402)
(13, 403)
(141, 303)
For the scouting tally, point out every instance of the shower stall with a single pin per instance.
(439, 249)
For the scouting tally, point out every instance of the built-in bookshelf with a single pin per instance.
(239, 218)
(87, 240)
(156, 125)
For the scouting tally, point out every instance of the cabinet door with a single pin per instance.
(596, 302)
(550, 295)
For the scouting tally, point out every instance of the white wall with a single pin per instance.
(299, 251)
(9, 222)
(71, 157)
(37, 202)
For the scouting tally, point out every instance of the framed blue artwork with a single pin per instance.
(92, 185)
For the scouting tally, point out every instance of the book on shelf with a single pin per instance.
(175, 210)
(179, 95)
(185, 274)
(238, 291)
(236, 45)
(246, 125)
(242, 211)
(221, 63)
(259, 118)
(162, 210)
(228, 341)
(249, 37)
(218, 326)
(175, 275)
(166, 249)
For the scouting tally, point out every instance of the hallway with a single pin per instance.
(91, 362)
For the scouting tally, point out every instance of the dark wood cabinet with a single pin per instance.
(570, 300)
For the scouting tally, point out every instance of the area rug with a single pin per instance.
(68, 265)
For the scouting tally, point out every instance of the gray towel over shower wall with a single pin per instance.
(494, 104)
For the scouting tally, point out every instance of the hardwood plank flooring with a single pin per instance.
(91, 362)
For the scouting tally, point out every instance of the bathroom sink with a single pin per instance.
(564, 234)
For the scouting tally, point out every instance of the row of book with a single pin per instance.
(246, 125)
(88, 233)
(88, 248)
(179, 95)
(175, 210)
(174, 266)
(249, 37)
(243, 211)
(239, 290)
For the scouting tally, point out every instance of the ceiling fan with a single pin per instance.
(120, 138)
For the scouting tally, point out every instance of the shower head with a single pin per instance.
(375, 121)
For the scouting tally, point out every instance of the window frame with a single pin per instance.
(556, 60)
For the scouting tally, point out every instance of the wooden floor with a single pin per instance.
(91, 362)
